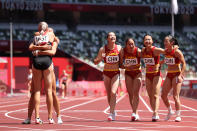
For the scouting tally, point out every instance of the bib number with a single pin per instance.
(112, 59)
(41, 39)
(169, 61)
(129, 62)
(149, 61)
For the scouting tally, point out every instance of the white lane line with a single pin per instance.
(20, 128)
(105, 111)
(106, 128)
(17, 100)
(145, 104)
(17, 104)
(84, 103)
(185, 106)
(7, 113)
(75, 111)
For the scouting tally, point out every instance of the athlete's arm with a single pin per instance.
(179, 54)
(121, 58)
(139, 52)
(159, 51)
(49, 52)
(99, 57)
(33, 47)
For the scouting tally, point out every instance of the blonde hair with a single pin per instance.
(43, 26)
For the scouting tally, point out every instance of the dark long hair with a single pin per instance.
(173, 39)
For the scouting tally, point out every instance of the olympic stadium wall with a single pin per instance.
(20, 71)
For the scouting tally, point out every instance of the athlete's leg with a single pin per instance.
(56, 103)
(37, 83)
(149, 91)
(47, 74)
(176, 91)
(31, 105)
(156, 91)
(65, 90)
(136, 87)
(167, 86)
(114, 87)
(63, 86)
(129, 86)
(107, 83)
(29, 88)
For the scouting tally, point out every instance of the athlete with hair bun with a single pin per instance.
(175, 75)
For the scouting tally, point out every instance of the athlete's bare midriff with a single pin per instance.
(152, 69)
(174, 68)
(111, 67)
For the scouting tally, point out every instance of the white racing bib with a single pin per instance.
(129, 62)
(41, 39)
(112, 59)
(169, 61)
(149, 61)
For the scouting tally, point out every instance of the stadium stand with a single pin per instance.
(85, 42)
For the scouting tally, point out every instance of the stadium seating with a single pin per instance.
(85, 42)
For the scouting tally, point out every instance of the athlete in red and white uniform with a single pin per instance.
(110, 54)
(174, 79)
(151, 56)
(133, 76)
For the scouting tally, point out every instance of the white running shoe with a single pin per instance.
(155, 118)
(112, 117)
(27, 121)
(38, 121)
(135, 117)
(59, 120)
(51, 121)
(170, 113)
(178, 119)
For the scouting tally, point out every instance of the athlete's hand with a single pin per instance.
(47, 47)
(180, 79)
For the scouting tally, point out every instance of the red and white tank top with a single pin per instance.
(149, 58)
(170, 58)
(111, 56)
(131, 60)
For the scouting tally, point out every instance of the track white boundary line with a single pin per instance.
(184, 106)
(145, 104)
(20, 128)
(84, 103)
(17, 104)
(105, 111)
(7, 113)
